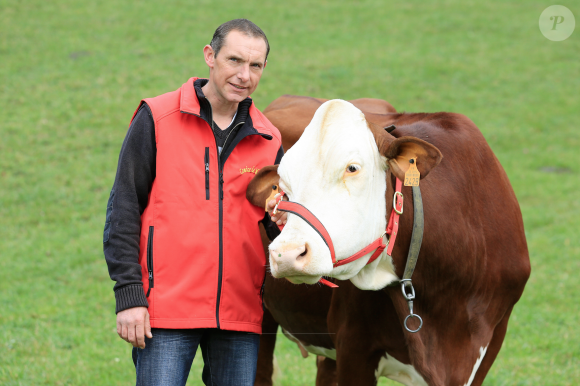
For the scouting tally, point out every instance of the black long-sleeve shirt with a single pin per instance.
(129, 196)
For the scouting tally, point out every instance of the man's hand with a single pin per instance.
(280, 218)
(133, 325)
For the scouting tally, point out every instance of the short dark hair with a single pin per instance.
(244, 26)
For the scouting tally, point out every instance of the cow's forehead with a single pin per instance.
(338, 133)
(335, 119)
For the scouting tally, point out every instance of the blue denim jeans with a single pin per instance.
(229, 357)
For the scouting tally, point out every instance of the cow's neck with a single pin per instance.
(381, 272)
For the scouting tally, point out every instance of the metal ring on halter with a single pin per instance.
(408, 296)
(395, 202)
(414, 316)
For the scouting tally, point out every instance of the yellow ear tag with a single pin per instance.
(412, 176)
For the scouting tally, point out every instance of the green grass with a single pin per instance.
(72, 73)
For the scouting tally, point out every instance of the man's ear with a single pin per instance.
(262, 185)
(209, 56)
(399, 152)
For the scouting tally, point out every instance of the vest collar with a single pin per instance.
(189, 103)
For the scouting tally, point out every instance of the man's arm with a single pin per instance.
(127, 201)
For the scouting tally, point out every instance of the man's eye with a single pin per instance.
(234, 59)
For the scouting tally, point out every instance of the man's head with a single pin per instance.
(244, 26)
(236, 57)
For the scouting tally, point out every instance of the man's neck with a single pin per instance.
(222, 110)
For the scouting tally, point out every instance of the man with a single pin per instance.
(181, 240)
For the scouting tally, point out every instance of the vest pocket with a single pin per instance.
(150, 259)
(206, 161)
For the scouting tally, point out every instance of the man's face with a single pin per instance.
(237, 69)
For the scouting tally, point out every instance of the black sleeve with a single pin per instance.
(271, 228)
(127, 201)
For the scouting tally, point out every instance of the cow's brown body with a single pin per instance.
(471, 270)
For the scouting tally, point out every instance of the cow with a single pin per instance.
(473, 262)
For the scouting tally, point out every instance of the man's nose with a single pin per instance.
(244, 73)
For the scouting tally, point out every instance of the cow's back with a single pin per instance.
(291, 114)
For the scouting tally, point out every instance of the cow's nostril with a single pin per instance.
(303, 253)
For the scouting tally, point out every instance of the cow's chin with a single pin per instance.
(303, 279)
(297, 279)
(377, 275)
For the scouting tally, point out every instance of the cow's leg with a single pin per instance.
(364, 326)
(266, 353)
(326, 375)
(356, 368)
(493, 349)
(357, 356)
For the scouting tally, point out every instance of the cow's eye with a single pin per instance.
(352, 168)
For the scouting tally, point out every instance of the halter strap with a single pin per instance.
(306, 215)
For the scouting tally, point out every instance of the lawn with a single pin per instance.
(72, 73)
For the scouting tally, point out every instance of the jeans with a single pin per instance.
(229, 357)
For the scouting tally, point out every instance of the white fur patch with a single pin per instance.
(391, 368)
(482, 351)
(325, 352)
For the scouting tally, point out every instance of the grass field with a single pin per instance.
(72, 73)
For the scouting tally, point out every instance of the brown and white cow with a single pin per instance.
(473, 263)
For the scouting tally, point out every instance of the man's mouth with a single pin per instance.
(238, 87)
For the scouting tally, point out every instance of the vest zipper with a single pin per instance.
(206, 159)
(221, 226)
(150, 259)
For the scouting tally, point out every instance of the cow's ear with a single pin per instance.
(403, 149)
(399, 152)
(262, 185)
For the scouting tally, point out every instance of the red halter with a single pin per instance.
(378, 245)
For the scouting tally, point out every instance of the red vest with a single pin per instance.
(201, 254)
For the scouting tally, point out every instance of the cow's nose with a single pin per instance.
(288, 260)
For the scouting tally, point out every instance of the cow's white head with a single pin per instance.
(337, 169)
